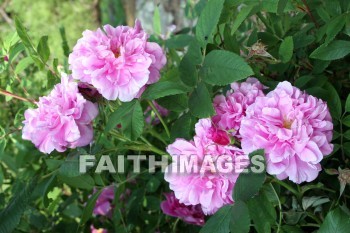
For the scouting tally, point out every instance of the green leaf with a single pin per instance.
(176, 103)
(130, 116)
(346, 121)
(262, 213)
(240, 220)
(244, 192)
(152, 185)
(83, 182)
(333, 101)
(334, 27)
(162, 89)
(65, 46)
(241, 16)
(22, 33)
(336, 221)
(181, 127)
(220, 221)
(208, 20)
(347, 104)
(286, 49)
(11, 215)
(347, 134)
(43, 49)
(87, 213)
(187, 68)
(178, 41)
(70, 167)
(23, 64)
(49, 185)
(223, 67)
(15, 50)
(200, 102)
(281, 6)
(157, 25)
(335, 50)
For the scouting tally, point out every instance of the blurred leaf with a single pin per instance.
(336, 221)
(43, 49)
(152, 185)
(188, 64)
(11, 215)
(347, 104)
(83, 182)
(223, 67)
(157, 25)
(70, 167)
(65, 46)
(286, 49)
(346, 121)
(22, 33)
(333, 101)
(240, 219)
(49, 185)
(335, 50)
(23, 64)
(87, 212)
(200, 102)
(208, 20)
(334, 27)
(178, 41)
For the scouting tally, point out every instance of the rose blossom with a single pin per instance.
(62, 120)
(230, 109)
(118, 62)
(294, 129)
(103, 204)
(100, 230)
(188, 213)
(211, 189)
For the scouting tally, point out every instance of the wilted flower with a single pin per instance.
(230, 109)
(62, 120)
(294, 129)
(118, 62)
(188, 213)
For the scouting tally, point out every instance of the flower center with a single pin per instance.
(116, 53)
(287, 124)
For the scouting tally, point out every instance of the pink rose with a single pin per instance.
(119, 62)
(62, 120)
(230, 109)
(294, 128)
(188, 213)
(211, 187)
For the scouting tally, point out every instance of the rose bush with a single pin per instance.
(253, 97)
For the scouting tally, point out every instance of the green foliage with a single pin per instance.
(304, 42)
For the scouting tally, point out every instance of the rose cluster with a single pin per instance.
(117, 63)
(293, 128)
